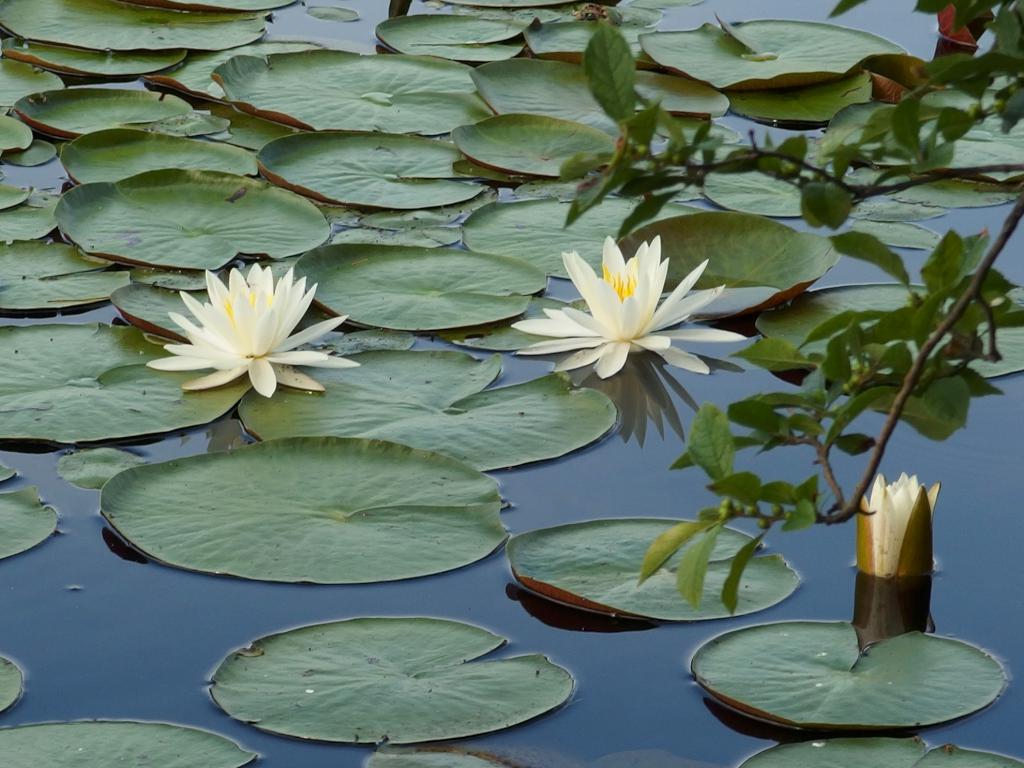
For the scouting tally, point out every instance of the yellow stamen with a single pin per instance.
(623, 284)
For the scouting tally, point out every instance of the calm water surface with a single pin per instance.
(101, 635)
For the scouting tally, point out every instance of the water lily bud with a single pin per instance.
(894, 533)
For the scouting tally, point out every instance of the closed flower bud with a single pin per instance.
(894, 533)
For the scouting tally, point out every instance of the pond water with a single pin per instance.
(102, 635)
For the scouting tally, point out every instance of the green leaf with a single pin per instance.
(946, 265)
(745, 487)
(693, 567)
(730, 590)
(774, 355)
(853, 407)
(755, 414)
(825, 204)
(611, 72)
(711, 443)
(804, 515)
(666, 545)
(865, 247)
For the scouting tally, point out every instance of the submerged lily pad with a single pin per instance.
(559, 89)
(534, 230)
(416, 289)
(122, 152)
(335, 90)
(425, 681)
(819, 679)
(784, 259)
(529, 144)
(875, 752)
(92, 467)
(595, 565)
(437, 401)
(195, 76)
(809, 106)
(109, 25)
(74, 111)
(85, 383)
(80, 61)
(460, 38)
(10, 683)
(369, 170)
(769, 54)
(18, 79)
(52, 276)
(101, 744)
(26, 523)
(189, 219)
(321, 509)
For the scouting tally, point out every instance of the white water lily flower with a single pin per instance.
(625, 314)
(894, 535)
(244, 329)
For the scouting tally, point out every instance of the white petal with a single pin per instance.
(217, 379)
(311, 333)
(178, 363)
(704, 334)
(289, 377)
(580, 359)
(298, 357)
(612, 359)
(560, 345)
(263, 378)
(611, 257)
(683, 308)
(654, 343)
(677, 295)
(684, 360)
(556, 327)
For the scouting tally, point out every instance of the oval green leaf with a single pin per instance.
(79, 61)
(402, 680)
(74, 111)
(460, 38)
(38, 276)
(806, 107)
(14, 134)
(37, 153)
(26, 523)
(189, 219)
(819, 679)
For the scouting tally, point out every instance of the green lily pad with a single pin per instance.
(189, 219)
(529, 144)
(420, 237)
(772, 53)
(74, 111)
(174, 280)
(6, 473)
(334, 90)
(418, 289)
(567, 40)
(52, 276)
(26, 522)
(29, 221)
(324, 510)
(534, 230)
(108, 25)
(10, 683)
(14, 134)
(957, 194)
(988, 144)
(808, 106)
(559, 89)
(11, 196)
(79, 61)
(85, 383)
(425, 757)
(753, 192)
(101, 744)
(507, 3)
(147, 307)
(37, 153)
(402, 680)
(195, 76)
(18, 79)
(819, 679)
(436, 401)
(595, 565)
(369, 170)
(502, 337)
(370, 340)
(899, 234)
(460, 38)
(874, 752)
(92, 467)
(245, 130)
(332, 13)
(118, 153)
(213, 5)
(795, 321)
(784, 259)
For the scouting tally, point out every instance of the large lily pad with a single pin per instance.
(14, 134)
(809, 106)
(195, 76)
(324, 510)
(324, 90)
(407, 288)
(18, 79)
(595, 565)
(794, 321)
(766, 53)
(460, 38)
(71, 112)
(402, 680)
(10, 683)
(122, 152)
(436, 401)
(109, 25)
(213, 5)
(29, 221)
(102, 744)
(784, 259)
(529, 144)
(26, 523)
(819, 679)
(559, 89)
(534, 230)
(875, 752)
(368, 170)
(80, 61)
(84, 383)
(52, 276)
(189, 219)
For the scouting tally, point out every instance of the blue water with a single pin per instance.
(101, 635)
